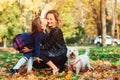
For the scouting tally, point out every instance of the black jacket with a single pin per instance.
(55, 43)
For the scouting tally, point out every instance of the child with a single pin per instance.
(38, 34)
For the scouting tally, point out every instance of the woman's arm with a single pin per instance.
(53, 36)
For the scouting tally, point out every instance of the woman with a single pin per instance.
(53, 47)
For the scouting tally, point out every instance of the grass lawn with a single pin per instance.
(105, 60)
(109, 53)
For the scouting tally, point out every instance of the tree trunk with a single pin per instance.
(113, 21)
(103, 18)
(96, 18)
(4, 43)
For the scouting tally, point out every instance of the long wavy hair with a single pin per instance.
(56, 15)
(36, 25)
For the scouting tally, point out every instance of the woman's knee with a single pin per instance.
(36, 65)
(39, 65)
(60, 60)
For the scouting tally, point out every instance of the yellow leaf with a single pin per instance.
(68, 76)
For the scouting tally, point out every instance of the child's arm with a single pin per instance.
(26, 49)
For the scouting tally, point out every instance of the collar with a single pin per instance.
(73, 64)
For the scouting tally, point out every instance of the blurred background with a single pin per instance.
(81, 20)
(85, 23)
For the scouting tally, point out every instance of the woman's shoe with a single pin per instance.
(55, 71)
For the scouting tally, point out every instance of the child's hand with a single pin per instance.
(38, 59)
(26, 49)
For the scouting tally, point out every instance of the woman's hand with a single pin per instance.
(38, 59)
(26, 49)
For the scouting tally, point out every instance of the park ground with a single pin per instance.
(104, 60)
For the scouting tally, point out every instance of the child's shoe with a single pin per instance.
(13, 71)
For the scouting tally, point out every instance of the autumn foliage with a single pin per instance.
(104, 69)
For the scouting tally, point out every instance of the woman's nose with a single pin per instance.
(48, 20)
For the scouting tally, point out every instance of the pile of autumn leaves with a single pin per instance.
(103, 70)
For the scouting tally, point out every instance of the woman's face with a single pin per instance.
(51, 21)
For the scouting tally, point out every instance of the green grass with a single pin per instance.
(109, 53)
(8, 58)
(105, 53)
(102, 53)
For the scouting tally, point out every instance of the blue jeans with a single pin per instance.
(27, 55)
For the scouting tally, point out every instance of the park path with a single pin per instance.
(83, 47)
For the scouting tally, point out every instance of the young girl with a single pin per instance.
(38, 34)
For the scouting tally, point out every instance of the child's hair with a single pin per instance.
(25, 39)
(36, 25)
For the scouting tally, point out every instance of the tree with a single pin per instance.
(113, 20)
(65, 8)
(96, 16)
(103, 18)
(16, 17)
(10, 21)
